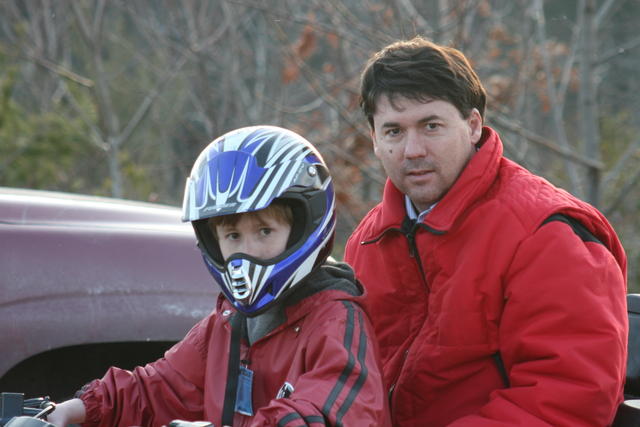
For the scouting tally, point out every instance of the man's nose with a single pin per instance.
(415, 145)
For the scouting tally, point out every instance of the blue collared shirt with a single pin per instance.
(413, 213)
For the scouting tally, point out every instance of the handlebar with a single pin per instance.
(180, 423)
(16, 411)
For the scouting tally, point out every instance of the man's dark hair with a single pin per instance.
(420, 70)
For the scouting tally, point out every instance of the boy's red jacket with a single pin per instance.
(321, 345)
(491, 283)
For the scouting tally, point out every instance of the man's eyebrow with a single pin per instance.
(426, 119)
(390, 125)
(430, 118)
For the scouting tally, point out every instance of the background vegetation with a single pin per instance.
(116, 97)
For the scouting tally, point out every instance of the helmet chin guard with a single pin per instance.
(245, 171)
(239, 282)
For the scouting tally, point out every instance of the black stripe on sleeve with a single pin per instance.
(315, 419)
(364, 371)
(344, 376)
(348, 339)
(284, 420)
(312, 419)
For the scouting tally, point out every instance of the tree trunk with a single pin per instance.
(589, 124)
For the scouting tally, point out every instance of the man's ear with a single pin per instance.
(475, 125)
(372, 134)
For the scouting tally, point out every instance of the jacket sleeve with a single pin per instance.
(342, 384)
(167, 389)
(563, 334)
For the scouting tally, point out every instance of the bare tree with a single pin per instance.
(156, 80)
(109, 130)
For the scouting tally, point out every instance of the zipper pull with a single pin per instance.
(412, 244)
(408, 228)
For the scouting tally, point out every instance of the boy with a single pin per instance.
(288, 343)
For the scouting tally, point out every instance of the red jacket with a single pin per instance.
(319, 344)
(490, 289)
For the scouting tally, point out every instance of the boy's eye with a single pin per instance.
(265, 231)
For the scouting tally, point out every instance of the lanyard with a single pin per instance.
(238, 329)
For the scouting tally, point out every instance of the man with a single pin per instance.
(497, 298)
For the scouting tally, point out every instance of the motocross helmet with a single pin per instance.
(245, 170)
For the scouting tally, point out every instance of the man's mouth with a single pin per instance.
(419, 172)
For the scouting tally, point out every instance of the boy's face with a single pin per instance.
(261, 236)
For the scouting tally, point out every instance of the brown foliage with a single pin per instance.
(307, 43)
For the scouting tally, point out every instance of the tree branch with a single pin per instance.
(59, 70)
(604, 12)
(568, 154)
(624, 192)
(624, 48)
(621, 165)
(553, 97)
(82, 22)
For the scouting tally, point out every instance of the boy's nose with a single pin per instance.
(251, 247)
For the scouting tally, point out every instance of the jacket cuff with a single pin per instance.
(92, 402)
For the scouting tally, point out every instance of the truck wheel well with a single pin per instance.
(59, 373)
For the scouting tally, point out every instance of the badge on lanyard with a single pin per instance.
(243, 397)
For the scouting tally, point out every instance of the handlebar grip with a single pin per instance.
(28, 422)
(16, 411)
(181, 423)
(628, 414)
(11, 405)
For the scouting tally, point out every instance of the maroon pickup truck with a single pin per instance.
(88, 282)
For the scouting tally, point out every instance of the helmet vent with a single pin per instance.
(240, 283)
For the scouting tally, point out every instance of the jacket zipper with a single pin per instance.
(408, 229)
(395, 382)
(414, 253)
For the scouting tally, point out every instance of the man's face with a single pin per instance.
(423, 146)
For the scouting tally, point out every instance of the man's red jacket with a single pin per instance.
(505, 306)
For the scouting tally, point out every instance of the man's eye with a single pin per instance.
(432, 126)
(392, 132)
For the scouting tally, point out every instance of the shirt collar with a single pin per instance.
(413, 213)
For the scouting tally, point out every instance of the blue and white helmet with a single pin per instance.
(245, 170)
